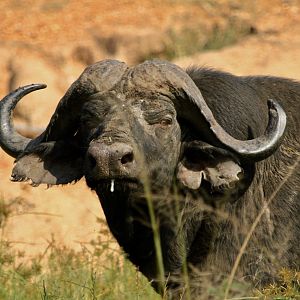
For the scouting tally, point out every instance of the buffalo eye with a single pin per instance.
(166, 121)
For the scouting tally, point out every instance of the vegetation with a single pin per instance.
(197, 35)
(190, 40)
(70, 275)
(101, 271)
(288, 287)
(98, 271)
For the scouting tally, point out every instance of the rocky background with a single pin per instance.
(52, 41)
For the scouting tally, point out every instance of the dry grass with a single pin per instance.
(100, 271)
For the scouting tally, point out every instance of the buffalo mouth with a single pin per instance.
(115, 185)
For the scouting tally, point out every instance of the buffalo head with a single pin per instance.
(116, 122)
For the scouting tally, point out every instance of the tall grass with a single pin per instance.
(254, 225)
(101, 271)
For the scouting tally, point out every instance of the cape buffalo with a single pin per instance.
(182, 160)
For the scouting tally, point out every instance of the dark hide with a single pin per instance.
(127, 133)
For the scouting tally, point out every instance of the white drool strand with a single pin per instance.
(112, 185)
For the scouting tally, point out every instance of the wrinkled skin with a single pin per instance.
(129, 137)
(147, 124)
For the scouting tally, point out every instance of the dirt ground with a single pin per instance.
(52, 42)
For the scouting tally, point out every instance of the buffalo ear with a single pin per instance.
(223, 174)
(190, 177)
(51, 163)
(201, 162)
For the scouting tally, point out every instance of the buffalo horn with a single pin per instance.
(10, 140)
(255, 149)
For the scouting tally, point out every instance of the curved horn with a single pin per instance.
(192, 107)
(100, 76)
(255, 149)
(10, 140)
(262, 146)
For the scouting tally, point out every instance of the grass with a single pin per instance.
(197, 36)
(101, 271)
(70, 275)
(288, 287)
(193, 39)
(190, 40)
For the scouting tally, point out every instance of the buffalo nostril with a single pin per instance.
(127, 158)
